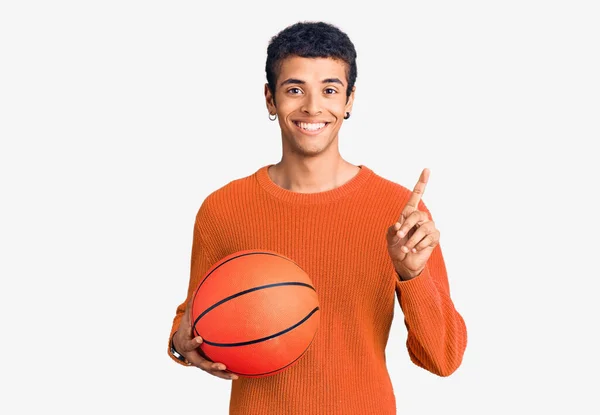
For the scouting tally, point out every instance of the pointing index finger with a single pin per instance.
(417, 193)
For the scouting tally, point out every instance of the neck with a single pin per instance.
(312, 174)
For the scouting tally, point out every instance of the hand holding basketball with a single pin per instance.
(188, 345)
(412, 239)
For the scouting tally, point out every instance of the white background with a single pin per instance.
(117, 119)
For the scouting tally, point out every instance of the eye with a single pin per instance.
(330, 91)
(294, 91)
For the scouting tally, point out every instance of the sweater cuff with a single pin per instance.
(419, 287)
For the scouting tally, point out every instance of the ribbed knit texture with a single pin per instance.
(338, 238)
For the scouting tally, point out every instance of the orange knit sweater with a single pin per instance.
(338, 238)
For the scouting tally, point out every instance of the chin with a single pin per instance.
(312, 149)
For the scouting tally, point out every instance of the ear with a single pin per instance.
(350, 100)
(270, 100)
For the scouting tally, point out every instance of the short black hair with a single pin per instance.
(311, 40)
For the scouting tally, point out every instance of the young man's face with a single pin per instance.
(311, 103)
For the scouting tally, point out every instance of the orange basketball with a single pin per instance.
(257, 312)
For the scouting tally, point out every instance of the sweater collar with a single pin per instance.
(355, 183)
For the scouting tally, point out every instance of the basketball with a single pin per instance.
(257, 312)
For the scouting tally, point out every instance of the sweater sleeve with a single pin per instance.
(198, 267)
(437, 334)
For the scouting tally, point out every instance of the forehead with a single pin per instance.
(312, 69)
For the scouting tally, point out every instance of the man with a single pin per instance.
(362, 239)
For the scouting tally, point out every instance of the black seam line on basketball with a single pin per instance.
(283, 367)
(272, 371)
(247, 254)
(231, 259)
(264, 338)
(262, 287)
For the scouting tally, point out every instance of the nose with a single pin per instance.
(311, 105)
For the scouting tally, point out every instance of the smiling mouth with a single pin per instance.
(311, 127)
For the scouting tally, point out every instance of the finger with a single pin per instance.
(188, 309)
(196, 359)
(196, 356)
(392, 234)
(188, 329)
(416, 218)
(188, 345)
(430, 241)
(223, 375)
(422, 232)
(184, 326)
(214, 368)
(419, 189)
(219, 369)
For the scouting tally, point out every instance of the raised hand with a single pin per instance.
(411, 240)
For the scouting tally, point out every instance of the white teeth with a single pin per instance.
(310, 126)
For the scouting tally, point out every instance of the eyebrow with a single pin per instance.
(292, 81)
